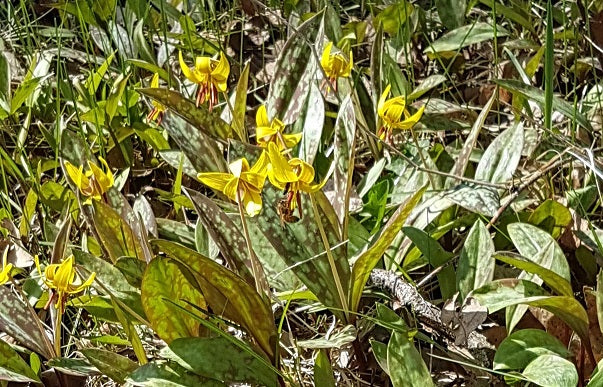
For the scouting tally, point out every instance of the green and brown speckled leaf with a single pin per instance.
(225, 233)
(369, 257)
(345, 151)
(116, 236)
(161, 373)
(111, 364)
(285, 101)
(13, 368)
(200, 149)
(218, 358)
(164, 279)
(19, 321)
(208, 122)
(227, 294)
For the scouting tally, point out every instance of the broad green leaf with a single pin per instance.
(465, 36)
(71, 366)
(109, 275)
(218, 358)
(367, 259)
(476, 264)
(539, 247)
(520, 348)
(551, 216)
(514, 13)
(380, 353)
(164, 279)
(225, 233)
(551, 370)
(436, 256)
(508, 292)
(115, 97)
(240, 105)
(169, 374)
(475, 198)
(95, 78)
(116, 236)
(199, 117)
(596, 379)
(392, 18)
(13, 368)
(426, 84)
(175, 231)
(200, 149)
(227, 294)
(20, 322)
(557, 283)
(344, 154)
(452, 12)
(323, 372)
(537, 95)
(405, 364)
(111, 364)
(501, 158)
(292, 76)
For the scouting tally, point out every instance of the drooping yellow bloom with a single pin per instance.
(394, 115)
(293, 176)
(211, 76)
(272, 131)
(62, 280)
(335, 64)
(158, 110)
(242, 183)
(93, 183)
(5, 273)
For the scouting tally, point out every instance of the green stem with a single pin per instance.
(261, 284)
(331, 259)
(57, 329)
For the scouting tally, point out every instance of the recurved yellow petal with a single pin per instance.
(215, 180)
(5, 273)
(186, 70)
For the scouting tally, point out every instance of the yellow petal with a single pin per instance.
(239, 166)
(186, 70)
(77, 289)
(203, 65)
(77, 176)
(325, 58)
(256, 180)
(292, 139)
(261, 117)
(231, 189)
(306, 171)
(64, 275)
(280, 171)
(348, 69)
(155, 81)
(5, 273)
(222, 70)
(412, 120)
(215, 180)
(261, 165)
(381, 103)
(252, 201)
(105, 180)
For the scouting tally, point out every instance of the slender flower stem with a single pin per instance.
(57, 330)
(261, 284)
(331, 259)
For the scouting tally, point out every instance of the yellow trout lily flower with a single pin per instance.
(293, 176)
(5, 273)
(93, 183)
(394, 115)
(210, 74)
(272, 131)
(242, 184)
(335, 64)
(62, 280)
(158, 110)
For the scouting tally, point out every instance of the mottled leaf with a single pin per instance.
(143, 208)
(227, 294)
(551, 370)
(115, 366)
(476, 264)
(13, 368)
(198, 117)
(405, 364)
(164, 278)
(160, 373)
(345, 151)
(520, 348)
(451, 12)
(20, 322)
(551, 216)
(557, 283)
(367, 259)
(312, 120)
(116, 236)
(465, 36)
(501, 158)
(323, 372)
(475, 198)
(291, 75)
(218, 358)
(71, 366)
